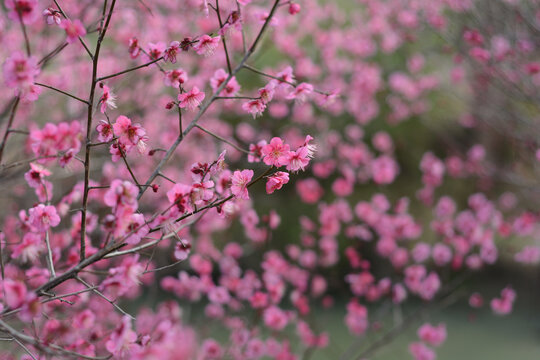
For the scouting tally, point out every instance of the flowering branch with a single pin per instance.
(219, 202)
(123, 155)
(89, 131)
(83, 43)
(206, 105)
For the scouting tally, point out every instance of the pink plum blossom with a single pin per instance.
(276, 181)
(207, 45)
(421, 352)
(220, 76)
(74, 30)
(276, 153)
(192, 99)
(254, 107)
(432, 335)
(20, 71)
(25, 10)
(42, 217)
(175, 78)
(52, 16)
(121, 193)
(239, 183)
(275, 318)
(384, 170)
(171, 52)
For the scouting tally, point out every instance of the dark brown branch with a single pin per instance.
(9, 124)
(89, 130)
(129, 70)
(223, 139)
(23, 28)
(62, 92)
(229, 68)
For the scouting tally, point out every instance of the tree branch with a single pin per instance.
(89, 131)
(62, 92)
(129, 70)
(206, 105)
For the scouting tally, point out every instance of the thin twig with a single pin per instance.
(58, 297)
(104, 297)
(17, 131)
(163, 267)
(236, 98)
(223, 139)
(62, 92)
(166, 178)
(25, 348)
(50, 262)
(23, 28)
(2, 259)
(9, 124)
(23, 162)
(153, 242)
(53, 53)
(180, 122)
(449, 298)
(229, 68)
(129, 70)
(133, 250)
(244, 44)
(256, 71)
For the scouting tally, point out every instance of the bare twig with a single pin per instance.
(223, 139)
(62, 92)
(129, 70)
(223, 38)
(9, 124)
(451, 295)
(50, 349)
(23, 28)
(163, 267)
(25, 348)
(99, 293)
(58, 297)
(50, 263)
